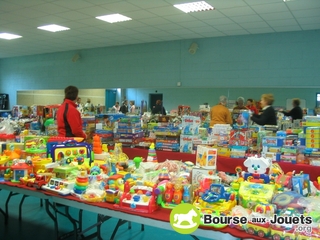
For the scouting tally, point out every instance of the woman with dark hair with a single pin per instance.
(68, 117)
(158, 108)
(296, 111)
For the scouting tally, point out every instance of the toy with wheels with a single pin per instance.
(216, 198)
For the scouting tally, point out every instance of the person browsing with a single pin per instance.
(158, 108)
(268, 115)
(68, 117)
(220, 114)
(296, 112)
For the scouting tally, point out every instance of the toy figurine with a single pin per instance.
(168, 194)
(256, 170)
(186, 194)
(177, 194)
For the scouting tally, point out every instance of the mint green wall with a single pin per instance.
(244, 64)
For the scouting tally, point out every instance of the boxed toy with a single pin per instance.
(242, 120)
(186, 143)
(301, 184)
(273, 141)
(240, 137)
(190, 125)
(206, 157)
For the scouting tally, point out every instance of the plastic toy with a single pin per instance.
(164, 174)
(138, 198)
(97, 146)
(42, 179)
(60, 186)
(20, 169)
(257, 168)
(216, 198)
(287, 199)
(239, 211)
(152, 155)
(94, 195)
(81, 183)
(69, 150)
(251, 194)
(113, 185)
(285, 231)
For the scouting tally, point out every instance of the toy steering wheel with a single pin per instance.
(210, 197)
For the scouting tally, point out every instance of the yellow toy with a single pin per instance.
(251, 194)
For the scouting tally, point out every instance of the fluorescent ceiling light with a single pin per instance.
(9, 36)
(194, 7)
(112, 18)
(53, 28)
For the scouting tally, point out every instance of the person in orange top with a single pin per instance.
(220, 114)
(250, 106)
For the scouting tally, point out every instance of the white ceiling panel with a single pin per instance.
(303, 4)
(152, 21)
(309, 26)
(239, 11)
(280, 6)
(249, 25)
(236, 32)
(260, 30)
(287, 28)
(315, 12)
(276, 16)
(228, 27)
(283, 22)
(247, 19)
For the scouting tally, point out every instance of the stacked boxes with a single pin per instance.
(190, 132)
(128, 131)
(167, 138)
(313, 137)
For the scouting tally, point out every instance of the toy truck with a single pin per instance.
(42, 179)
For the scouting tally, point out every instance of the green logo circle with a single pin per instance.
(185, 218)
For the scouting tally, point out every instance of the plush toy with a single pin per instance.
(257, 168)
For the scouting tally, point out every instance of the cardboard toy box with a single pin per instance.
(190, 125)
(206, 157)
(186, 143)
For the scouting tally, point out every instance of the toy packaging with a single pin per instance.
(186, 143)
(190, 125)
(301, 184)
(206, 157)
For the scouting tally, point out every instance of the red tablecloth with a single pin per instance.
(161, 214)
(224, 164)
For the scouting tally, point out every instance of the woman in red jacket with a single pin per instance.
(68, 117)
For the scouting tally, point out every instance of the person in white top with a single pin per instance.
(132, 107)
(116, 107)
(79, 105)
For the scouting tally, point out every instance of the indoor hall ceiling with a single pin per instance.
(152, 21)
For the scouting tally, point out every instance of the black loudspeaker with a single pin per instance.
(4, 101)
